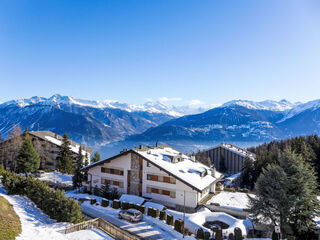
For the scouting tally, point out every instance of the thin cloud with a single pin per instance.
(166, 99)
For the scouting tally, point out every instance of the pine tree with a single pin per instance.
(65, 157)
(78, 175)
(28, 159)
(96, 157)
(286, 195)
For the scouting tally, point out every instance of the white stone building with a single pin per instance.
(161, 174)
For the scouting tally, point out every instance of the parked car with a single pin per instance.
(132, 215)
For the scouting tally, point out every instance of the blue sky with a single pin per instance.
(208, 51)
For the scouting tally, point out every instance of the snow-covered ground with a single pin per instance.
(233, 200)
(57, 177)
(38, 226)
(193, 221)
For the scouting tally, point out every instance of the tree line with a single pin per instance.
(285, 180)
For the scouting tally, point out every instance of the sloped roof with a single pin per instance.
(186, 170)
(57, 140)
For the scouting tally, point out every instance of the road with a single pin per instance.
(144, 229)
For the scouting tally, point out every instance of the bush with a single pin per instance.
(150, 211)
(179, 225)
(237, 234)
(170, 219)
(206, 235)
(142, 209)
(104, 203)
(54, 203)
(116, 204)
(200, 234)
(218, 234)
(124, 205)
(231, 237)
(163, 215)
(93, 201)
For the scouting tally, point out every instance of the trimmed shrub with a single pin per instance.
(200, 234)
(124, 205)
(143, 209)
(218, 235)
(179, 225)
(93, 201)
(150, 212)
(237, 234)
(54, 203)
(231, 237)
(206, 235)
(170, 219)
(104, 203)
(116, 204)
(156, 213)
(163, 215)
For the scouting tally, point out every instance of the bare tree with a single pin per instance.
(13, 146)
(44, 151)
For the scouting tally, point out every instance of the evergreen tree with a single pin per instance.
(65, 157)
(96, 157)
(86, 162)
(78, 176)
(105, 190)
(286, 195)
(28, 159)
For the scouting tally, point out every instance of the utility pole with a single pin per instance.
(184, 210)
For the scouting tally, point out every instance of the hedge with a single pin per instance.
(163, 215)
(179, 225)
(237, 234)
(104, 203)
(116, 204)
(170, 219)
(200, 234)
(52, 202)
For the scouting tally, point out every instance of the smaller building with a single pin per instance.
(46, 143)
(161, 174)
(229, 158)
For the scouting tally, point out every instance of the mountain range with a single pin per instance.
(98, 123)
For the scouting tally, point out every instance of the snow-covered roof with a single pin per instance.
(232, 200)
(57, 140)
(196, 174)
(235, 149)
(132, 199)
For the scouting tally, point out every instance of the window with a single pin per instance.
(154, 190)
(166, 192)
(148, 164)
(148, 176)
(112, 171)
(103, 169)
(166, 179)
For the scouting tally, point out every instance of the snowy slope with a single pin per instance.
(38, 226)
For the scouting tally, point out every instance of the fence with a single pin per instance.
(100, 223)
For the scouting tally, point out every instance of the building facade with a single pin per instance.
(160, 174)
(228, 158)
(46, 143)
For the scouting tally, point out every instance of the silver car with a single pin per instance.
(133, 215)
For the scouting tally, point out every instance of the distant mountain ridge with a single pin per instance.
(241, 120)
(98, 123)
(89, 122)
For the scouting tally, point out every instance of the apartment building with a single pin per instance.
(229, 158)
(161, 174)
(47, 144)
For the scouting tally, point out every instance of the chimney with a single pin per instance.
(213, 171)
(140, 147)
(193, 158)
(157, 144)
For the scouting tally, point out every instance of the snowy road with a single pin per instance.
(145, 229)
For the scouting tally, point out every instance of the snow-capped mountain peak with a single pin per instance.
(269, 105)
